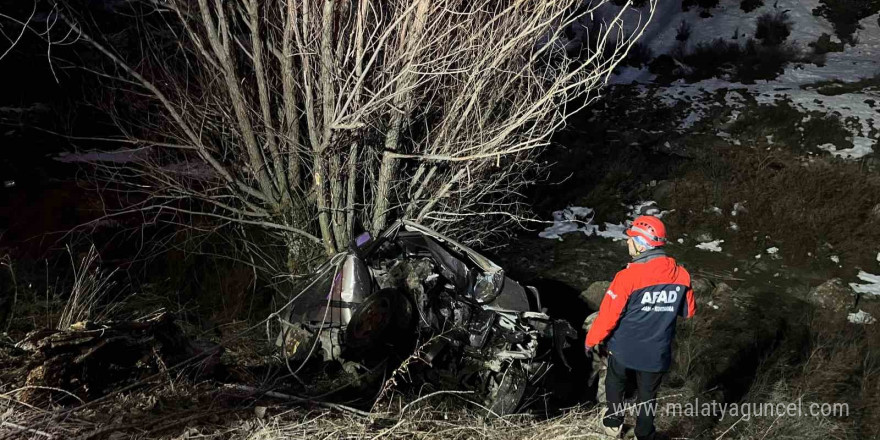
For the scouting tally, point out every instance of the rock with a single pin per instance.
(833, 294)
(260, 412)
(721, 291)
(594, 294)
(725, 297)
(662, 191)
(589, 321)
(702, 287)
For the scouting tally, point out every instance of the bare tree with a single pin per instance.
(308, 118)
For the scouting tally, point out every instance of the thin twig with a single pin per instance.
(292, 398)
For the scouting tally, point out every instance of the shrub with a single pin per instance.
(824, 45)
(773, 28)
(745, 63)
(640, 55)
(764, 62)
(837, 87)
(709, 60)
(750, 5)
(845, 15)
(663, 66)
(683, 33)
(705, 4)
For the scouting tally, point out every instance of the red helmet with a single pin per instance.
(650, 228)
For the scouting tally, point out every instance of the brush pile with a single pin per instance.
(88, 360)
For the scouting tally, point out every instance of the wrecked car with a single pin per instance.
(414, 290)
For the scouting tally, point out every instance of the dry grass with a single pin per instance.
(433, 424)
(140, 416)
(806, 208)
(842, 365)
(89, 292)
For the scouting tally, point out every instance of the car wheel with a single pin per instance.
(507, 388)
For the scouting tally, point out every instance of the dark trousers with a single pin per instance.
(615, 383)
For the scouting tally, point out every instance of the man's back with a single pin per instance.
(639, 311)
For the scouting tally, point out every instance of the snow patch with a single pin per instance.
(862, 147)
(615, 232)
(567, 221)
(711, 246)
(738, 208)
(871, 285)
(861, 317)
(795, 86)
(646, 207)
(580, 219)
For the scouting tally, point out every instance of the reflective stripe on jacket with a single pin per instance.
(638, 312)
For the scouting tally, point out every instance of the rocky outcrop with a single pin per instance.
(833, 294)
(593, 295)
(702, 287)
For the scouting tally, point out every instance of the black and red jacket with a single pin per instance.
(638, 312)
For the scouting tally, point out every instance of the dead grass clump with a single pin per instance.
(841, 366)
(430, 424)
(88, 295)
(804, 206)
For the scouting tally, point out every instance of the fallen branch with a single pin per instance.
(26, 429)
(277, 395)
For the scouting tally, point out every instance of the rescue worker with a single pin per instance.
(636, 324)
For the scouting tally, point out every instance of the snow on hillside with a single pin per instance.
(728, 21)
